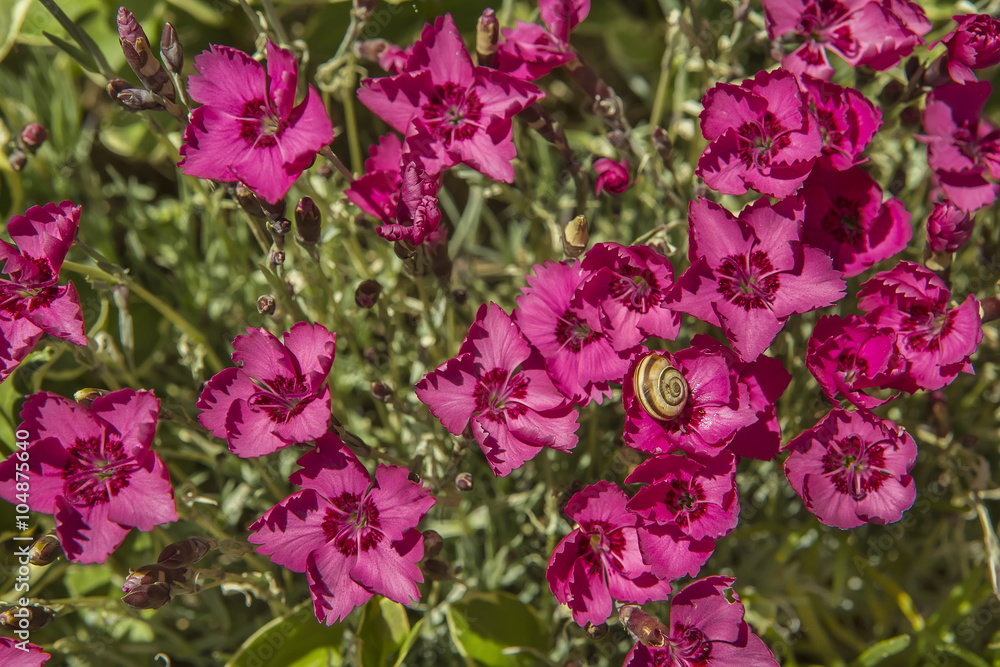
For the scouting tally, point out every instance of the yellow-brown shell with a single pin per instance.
(661, 389)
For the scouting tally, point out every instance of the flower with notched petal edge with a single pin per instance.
(847, 120)
(93, 469)
(948, 227)
(499, 383)
(353, 536)
(973, 44)
(277, 396)
(248, 128)
(849, 354)
(15, 653)
(853, 468)
(31, 301)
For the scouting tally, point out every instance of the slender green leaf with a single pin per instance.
(882, 650)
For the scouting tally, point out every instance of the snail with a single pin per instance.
(661, 389)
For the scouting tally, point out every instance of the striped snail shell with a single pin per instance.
(660, 388)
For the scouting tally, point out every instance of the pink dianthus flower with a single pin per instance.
(248, 128)
(948, 227)
(612, 177)
(848, 120)
(29, 656)
(973, 44)
(351, 535)
(849, 354)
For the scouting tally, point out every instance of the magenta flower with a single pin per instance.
(631, 285)
(461, 112)
(276, 396)
(749, 274)
(852, 468)
(612, 176)
(33, 303)
(762, 136)
(529, 51)
(948, 227)
(247, 128)
(13, 655)
(687, 504)
(93, 469)
(877, 33)
(847, 120)
(569, 334)
(845, 216)
(706, 630)
(849, 354)
(498, 382)
(717, 405)
(353, 537)
(599, 561)
(962, 149)
(376, 192)
(973, 44)
(935, 341)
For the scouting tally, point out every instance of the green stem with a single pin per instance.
(158, 304)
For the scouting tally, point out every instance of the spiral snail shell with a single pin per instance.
(661, 389)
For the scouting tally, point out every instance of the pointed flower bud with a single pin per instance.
(139, 56)
(307, 221)
(27, 619)
(116, 86)
(463, 481)
(381, 391)
(17, 159)
(44, 550)
(154, 574)
(266, 305)
(32, 136)
(366, 296)
(87, 395)
(949, 228)
(186, 552)
(171, 51)
(137, 99)
(148, 596)
(487, 37)
(248, 202)
(576, 235)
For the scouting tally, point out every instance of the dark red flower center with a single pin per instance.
(749, 282)
(352, 524)
(500, 395)
(637, 289)
(761, 140)
(924, 328)
(689, 646)
(283, 398)
(453, 113)
(844, 222)
(685, 500)
(259, 125)
(604, 548)
(856, 467)
(574, 334)
(96, 470)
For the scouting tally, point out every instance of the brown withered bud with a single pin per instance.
(460, 296)
(273, 211)
(45, 550)
(171, 51)
(576, 236)
(116, 86)
(366, 296)
(148, 596)
(139, 56)
(370, 49)
(27, 619)
(381, 391)
(137, 99)
(276, 258)
(87, 395)
(662, 144)
(248, 202)
(266, 304)
(436, 570)
(186, 552)
(279, 228)
(307, 221)
(17, 159)
(463, 481)
(595, 631)
(487, 38)
(413, 477)
(433, 543)
(31, 137)
(646, 629)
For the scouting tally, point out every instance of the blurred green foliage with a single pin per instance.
(919, 592)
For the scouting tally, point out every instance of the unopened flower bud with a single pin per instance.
(433, 543)
(460, 296)
(32, 136)
(279, 228)
(148, 596)
(45, 550)
(266, 304)
(276, 258)
(137, 99)
(29, 618)
(413, 477)
(139, 56)
(381, 391)
(17, 159)
(463, 481)
(370, 49)
(647, 630)
(949, 228)
(273, 211)
(487, 37)
(307, 221)
(595, 631)
(662, 144)
(247, 201)
(116, 86)
(185, 552)
(436, 570)
(171, 51)
(404, 249)
(363, 9)
(576, 235)
(367, 293)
